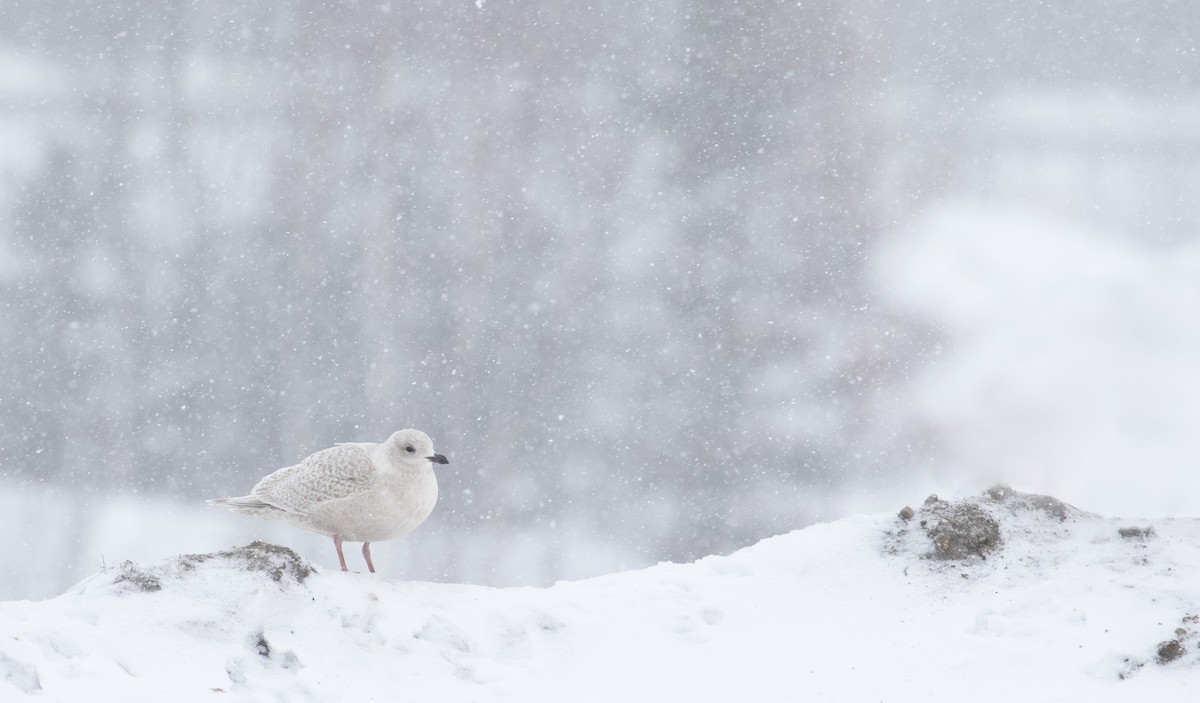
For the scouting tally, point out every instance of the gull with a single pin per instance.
(352, 492)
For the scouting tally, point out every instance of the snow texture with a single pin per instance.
(1063, 605)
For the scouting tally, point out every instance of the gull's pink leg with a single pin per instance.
(337, 542)
(367, 556)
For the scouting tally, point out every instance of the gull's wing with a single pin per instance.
(330, 474)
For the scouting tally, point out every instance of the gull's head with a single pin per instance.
(413, 447)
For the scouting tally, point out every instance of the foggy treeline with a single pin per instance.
(610, 257)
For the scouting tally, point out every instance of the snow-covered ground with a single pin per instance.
(1065, 607)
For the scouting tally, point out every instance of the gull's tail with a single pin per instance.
(247, 505)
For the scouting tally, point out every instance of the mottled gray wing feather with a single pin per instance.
(330, 474)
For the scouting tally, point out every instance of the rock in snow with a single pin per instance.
(1055, 604)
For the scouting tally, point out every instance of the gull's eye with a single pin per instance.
(409, 449)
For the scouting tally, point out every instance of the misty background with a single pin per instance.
(660, 279)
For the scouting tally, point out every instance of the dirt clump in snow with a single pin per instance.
(136, 578)
(1174, 648)
(1142, 533)
(959, 530)
(274, 560)
(1018, 502)
(1170, 650)
(280, 564)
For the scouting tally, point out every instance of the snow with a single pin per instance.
(853, 610)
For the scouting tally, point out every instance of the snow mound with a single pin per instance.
(997, 597)
(1024, 545)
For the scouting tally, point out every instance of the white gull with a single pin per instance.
(354, 492)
